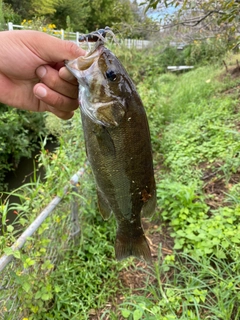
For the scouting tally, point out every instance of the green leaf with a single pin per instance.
(28, 262)
(137, 314)
(17, 254)
(38, 295)
(235, 239)
(26, 286)
(8, 251)
(57, 289)
(125, 313)
(220, 254)
(178, 245)
(46, 296)
(10, 228)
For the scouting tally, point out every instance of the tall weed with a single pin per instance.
(187, 288)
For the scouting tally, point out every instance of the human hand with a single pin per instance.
(32, 72)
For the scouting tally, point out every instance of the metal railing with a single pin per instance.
(65, 227)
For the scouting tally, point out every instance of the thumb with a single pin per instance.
(52, 49)
(65, 50)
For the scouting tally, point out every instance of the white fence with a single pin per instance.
(139, 44)
(74, 36)
(64, 35)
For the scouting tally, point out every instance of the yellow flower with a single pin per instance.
(51, 26)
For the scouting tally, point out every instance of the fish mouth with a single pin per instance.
(96, 99)
(82, 64)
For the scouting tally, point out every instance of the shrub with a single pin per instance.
(19, 133)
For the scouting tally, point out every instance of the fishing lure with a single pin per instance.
(95, 35)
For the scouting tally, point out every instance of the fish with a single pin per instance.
(118, 146)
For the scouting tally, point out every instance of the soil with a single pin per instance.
(233, 71)
(216, 187)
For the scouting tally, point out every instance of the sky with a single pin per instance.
(158, 14)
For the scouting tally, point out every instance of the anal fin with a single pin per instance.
(150, 205)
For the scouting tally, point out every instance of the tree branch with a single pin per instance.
(194, 21)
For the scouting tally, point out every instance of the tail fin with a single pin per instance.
(138, 247)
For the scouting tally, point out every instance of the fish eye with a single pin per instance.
(111, 75)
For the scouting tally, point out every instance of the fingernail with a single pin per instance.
(41, 71)
(41, 92)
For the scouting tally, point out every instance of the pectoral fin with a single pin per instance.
(103, 206)
(105, 141)
(110, 114)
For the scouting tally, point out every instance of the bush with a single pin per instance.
(204, 52)
(19, 133)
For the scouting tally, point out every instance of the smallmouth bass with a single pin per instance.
(118, 146)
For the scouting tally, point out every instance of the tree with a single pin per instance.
(9, 14)
(224, 11)
(77, 10)
(204, 19)
(20, 7)
(107, 12)
(141, 25)
(87, 15)
(43, 7)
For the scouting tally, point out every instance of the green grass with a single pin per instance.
(206, 288)
(194, 122)
(194, 130)
(86, 278)
(61, 280)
